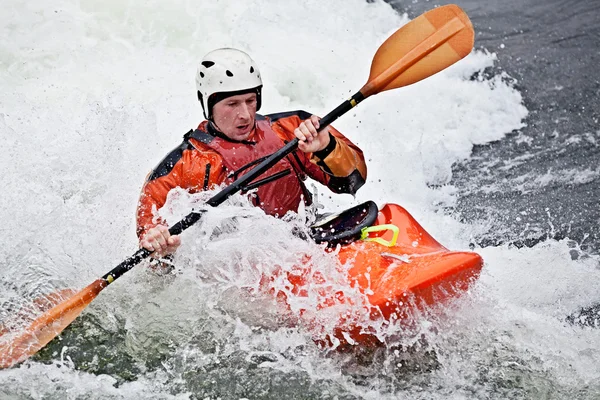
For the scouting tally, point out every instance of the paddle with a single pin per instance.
(419, 49)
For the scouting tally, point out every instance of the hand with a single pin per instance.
(160, 242)
(310, 139)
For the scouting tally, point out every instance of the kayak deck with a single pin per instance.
(412, 271)
(416, 264)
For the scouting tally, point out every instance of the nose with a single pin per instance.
(244, 111)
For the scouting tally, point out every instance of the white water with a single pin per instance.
(94, 94)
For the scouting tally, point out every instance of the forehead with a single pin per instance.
(240, 98)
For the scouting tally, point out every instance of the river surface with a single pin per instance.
(543, 180)
(498, 154)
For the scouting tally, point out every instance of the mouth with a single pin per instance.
(243, 127)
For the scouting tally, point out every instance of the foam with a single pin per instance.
(96, 93)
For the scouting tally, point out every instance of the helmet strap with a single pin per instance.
(208, 117)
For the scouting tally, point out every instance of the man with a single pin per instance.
(234, 138)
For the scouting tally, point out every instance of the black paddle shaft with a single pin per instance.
(235, 187)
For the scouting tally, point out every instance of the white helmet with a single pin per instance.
(223, 73)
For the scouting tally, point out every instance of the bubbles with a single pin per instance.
(96, 93)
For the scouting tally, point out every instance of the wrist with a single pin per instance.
(325, 151)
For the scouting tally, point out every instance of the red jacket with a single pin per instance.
(198, 164)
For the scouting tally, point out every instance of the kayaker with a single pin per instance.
(233, 137)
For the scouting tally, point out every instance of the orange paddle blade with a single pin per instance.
(424, 46)
(28, 314)
(17, 345)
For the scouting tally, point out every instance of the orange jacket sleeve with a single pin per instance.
(342, 168)
(190, 166)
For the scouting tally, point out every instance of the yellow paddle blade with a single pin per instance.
(17, 345)
(424, 46)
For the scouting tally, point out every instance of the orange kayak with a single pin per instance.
(395, 263)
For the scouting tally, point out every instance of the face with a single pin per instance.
(234, 116)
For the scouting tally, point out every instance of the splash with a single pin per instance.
(96, 93)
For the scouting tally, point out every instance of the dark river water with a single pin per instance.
(542, 181)
(93, 87)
